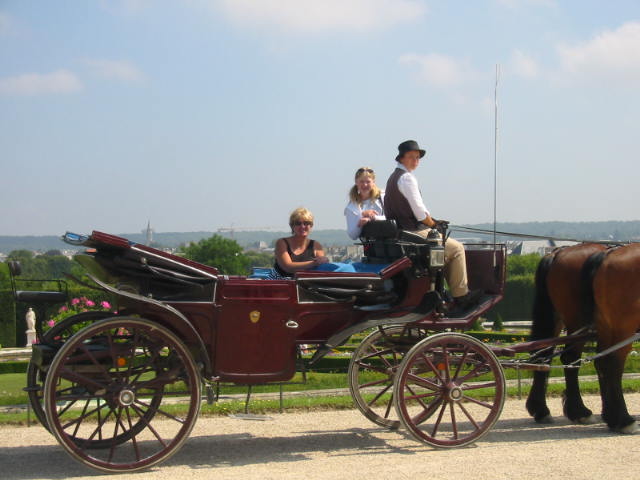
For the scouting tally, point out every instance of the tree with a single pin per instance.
(259, 259)
(21, 256)
(223, 253)
(522, 264)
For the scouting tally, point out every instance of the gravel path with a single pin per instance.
(343, 445)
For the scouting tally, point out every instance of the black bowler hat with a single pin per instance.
(409, 146)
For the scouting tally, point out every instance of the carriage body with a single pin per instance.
(105, 391)
(246, 330)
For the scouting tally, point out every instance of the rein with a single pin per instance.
(462, 228)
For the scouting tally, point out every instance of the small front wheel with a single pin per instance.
(122, 394)
(373, 367)
(449, 390)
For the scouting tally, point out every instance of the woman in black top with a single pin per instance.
(298, 252)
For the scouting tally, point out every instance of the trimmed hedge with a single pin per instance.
(517, 302)
(7, 319)
(13, 367)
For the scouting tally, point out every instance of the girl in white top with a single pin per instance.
(366, 202)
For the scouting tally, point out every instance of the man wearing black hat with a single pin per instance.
(403, 203)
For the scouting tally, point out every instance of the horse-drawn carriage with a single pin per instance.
(121, 392)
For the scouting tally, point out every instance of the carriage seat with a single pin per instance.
(32, 296)
(384, 242)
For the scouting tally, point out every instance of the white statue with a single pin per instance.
(30, 318)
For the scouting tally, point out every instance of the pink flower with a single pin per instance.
(51, 322)
(75, 301)
(105, 304)
(89, 303)
(63, 308)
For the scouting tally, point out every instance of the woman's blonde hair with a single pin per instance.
(300, 214)
(354, 195)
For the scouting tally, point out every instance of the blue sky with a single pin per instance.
(201, 114)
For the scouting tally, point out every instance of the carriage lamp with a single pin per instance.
(436, 257)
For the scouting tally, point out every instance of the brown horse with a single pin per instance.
(558, 303)
(611, 289)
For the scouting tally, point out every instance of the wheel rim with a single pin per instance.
(110, 391)
(56, 336)
(449, 390)
(372, 371)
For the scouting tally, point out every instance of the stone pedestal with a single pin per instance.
(31, 337)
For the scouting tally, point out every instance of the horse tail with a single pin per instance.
(543, 314)
(587, 274)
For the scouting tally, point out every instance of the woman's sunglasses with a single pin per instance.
(306, 224)
(363, 170)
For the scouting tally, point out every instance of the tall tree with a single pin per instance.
(223, 253)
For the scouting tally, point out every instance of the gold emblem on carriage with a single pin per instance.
(254, 316)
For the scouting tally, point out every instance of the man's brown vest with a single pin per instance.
(396, 205)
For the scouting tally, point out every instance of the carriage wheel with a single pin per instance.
(372, 369)
(112, 392)
(449, 390)
(55, 336)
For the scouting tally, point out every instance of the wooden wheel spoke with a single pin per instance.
(468, 415)
(146, 422)
(81, 379)
(477, 371)
(423, 382)
(380, 393)
(373, 368)
(376, 353)
(93, 359)
(82, 416)
(427, 411)
(374, 383)
(433, 368)
(159, 410)
(477, 386)
(461, 362)
(420, 396)
(436, 425)
(160, 381)
(64, 409)
(115, 435)
(136, 338)
(143, 367)
(447, 366)
(133, 438)
(454, 423)
(478, 402)
(389, 404)
(101, 422)
(380, 354)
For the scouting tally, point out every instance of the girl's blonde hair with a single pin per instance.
(354, 195)
(300, 214)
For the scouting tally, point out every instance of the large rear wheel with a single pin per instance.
(373, 367)
(53, 339)
(449, 390)
(122, 394)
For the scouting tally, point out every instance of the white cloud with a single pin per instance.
(513, 4)
(126, 7)
(5, 24)
(523, 65)
(321, 15)
(439, 70)
(116, 69)
(612, 55)
(60, 81)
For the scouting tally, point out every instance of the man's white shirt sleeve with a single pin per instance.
(408, 186)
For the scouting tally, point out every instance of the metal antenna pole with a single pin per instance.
(495, 161)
